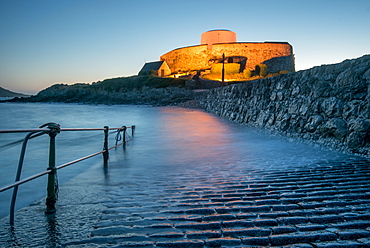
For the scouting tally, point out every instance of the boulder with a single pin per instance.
(332, 107)
(313, 122)
(359, 133)
(336, 128)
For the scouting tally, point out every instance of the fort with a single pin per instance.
(221, 46)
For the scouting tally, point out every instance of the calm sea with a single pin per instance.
(166, 138)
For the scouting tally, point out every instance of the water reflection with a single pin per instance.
(52, 229)
(194, 135)
(13, 239)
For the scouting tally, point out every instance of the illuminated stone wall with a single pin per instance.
(277, 56)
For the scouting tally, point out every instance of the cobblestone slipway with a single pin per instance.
(326, 205)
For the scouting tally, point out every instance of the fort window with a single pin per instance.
(241, 60)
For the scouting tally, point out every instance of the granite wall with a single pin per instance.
(327, 104)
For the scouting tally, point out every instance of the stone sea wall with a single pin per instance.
(327, 104)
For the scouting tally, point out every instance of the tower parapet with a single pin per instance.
(217, 36)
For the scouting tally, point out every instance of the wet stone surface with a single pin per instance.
(325, 204)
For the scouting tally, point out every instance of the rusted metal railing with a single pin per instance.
(52, 129)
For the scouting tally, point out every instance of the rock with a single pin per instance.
(366, 75)
(283, 122)
(313, 122)
(321, 89)
(332, 107)
(346, 77)
(280, 96)
(353, 109)
(336, 128)
(295, 91)
(359, 133)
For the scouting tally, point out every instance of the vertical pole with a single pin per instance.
(132, 130)
(52, 184)
(124, 135)
(223, 67)
(105, 148)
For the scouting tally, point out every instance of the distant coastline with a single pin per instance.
(7, 94)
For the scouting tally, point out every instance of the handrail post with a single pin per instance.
(124, 128)
(132, 130)
(105, 148)
(52, 182)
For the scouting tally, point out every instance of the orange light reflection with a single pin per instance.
(199, 134)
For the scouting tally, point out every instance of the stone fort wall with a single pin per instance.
(277, 56)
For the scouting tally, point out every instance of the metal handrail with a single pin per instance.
(62, 129)
(48, 171)
(53, 129)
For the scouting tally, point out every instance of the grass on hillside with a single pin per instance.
(137, 82)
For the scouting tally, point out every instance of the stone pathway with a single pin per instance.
(324, 205)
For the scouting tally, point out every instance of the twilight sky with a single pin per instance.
(44, 42)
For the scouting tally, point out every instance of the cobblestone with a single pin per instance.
(291, 239)
(274, 214)
(353, 225)
(353, 234)
(181, 243)
(203, 234)
(219, 217)
(219, 242)
(285, 207)
(238, 223)
(200, 225)
(246, 232)
(255, 209)
(326, 219)
(283, 229)
(256, 241)
(341, 244)
(266, 222)
(293, 220)
(311, 227)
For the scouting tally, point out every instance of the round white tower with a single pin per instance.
(217, 36)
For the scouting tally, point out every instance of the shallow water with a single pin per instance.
(168, 140)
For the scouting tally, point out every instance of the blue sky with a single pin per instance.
(44, 42)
